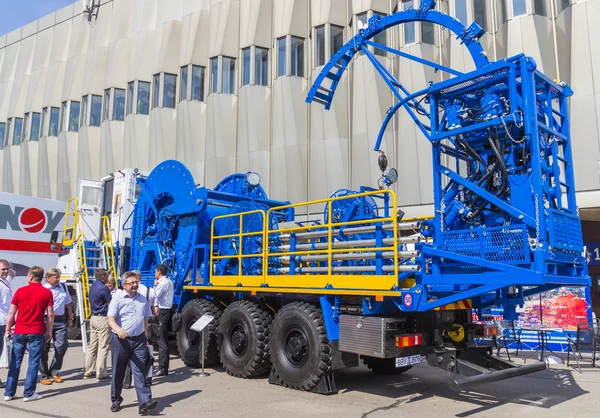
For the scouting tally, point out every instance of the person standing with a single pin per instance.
(163, 291)
(63, 319)
(97, 353)
(5, 297)
(29, 305)
(128, 315)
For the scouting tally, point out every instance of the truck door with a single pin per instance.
(91, 199)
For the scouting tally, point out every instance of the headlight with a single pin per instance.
(253, 179)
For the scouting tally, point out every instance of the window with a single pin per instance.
(156, 91)
(361, 21)
(500, 13)
(26, 127)
(297, 56)
(228, 76)
(74, 117)
(54, 120)
(106, 104)
(519, 7)
(2, 135)
(63, 117)
(409, 27)
(35, 126)
(8, 126)
(143, 98)
(96, 110)
(170, 85)
(460, 11)
(183, 72)
(428, 33)
(480, 13)
(246, 66)
(17, 135)
(380, 38)
(119, 105)
(214, 74)
(281, 57)
(84, 113)
(197, 83)
(130, 93)
(562, 5)
(320, 45)
(261, 66)
(336, 38)
(539, 7)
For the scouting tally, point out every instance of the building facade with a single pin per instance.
(220, 85)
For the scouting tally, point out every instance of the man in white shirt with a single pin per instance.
(163, 292)
(63, 319)
(5, 298)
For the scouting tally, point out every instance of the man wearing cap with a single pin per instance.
(128, 315)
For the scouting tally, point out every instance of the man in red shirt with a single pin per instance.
(30, 304)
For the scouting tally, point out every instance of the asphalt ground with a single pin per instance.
(421, 392)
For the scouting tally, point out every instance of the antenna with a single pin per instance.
(90, 9)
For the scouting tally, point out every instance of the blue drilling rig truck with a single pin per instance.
(298, 297)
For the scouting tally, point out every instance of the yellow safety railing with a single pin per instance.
(239, 256)
(70, 226)
(109, 251)
(83, 273)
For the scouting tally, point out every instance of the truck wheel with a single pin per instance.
(75, 332)
(243, 337)
(300, 350)
(189, 343)
(383, 365)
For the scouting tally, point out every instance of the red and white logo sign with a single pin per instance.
(32, 220)
(408, 300)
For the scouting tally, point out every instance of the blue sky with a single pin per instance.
(17, 13)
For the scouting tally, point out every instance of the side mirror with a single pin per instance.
(53, 241)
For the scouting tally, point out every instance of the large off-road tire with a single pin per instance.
(299, 347)
(189, 343)
(383, 365)
(243, 339)
(74, 333)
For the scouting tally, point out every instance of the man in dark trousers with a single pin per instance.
(163, 302)
(5, 298)
(29, 305)
(128, 315)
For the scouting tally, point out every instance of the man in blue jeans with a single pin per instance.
(30, 304)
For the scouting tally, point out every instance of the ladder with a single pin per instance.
(108, 249)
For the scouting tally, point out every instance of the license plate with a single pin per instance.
(408, 361)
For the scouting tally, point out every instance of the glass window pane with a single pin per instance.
(119, 105)
(170, 81)
(54, 120)
(26, 127)
(156, 91)
(361, 21)
(297, 56)
(197, 83)
(143, 98)
(130, 91)
(539, 7)
(2, 135)
(428, 33)
(320, 45)
(380, 38)
(228, 76)
(409, 28)
(63, 117)
(460, 11)
(84, 112)
(74, 117)
(480, 13)
(90, 195)
(17, 135)
(281, 57)
(336, 38)
(500, 13)
(245, 66)
(562, 5)
(261, 66)
(106, 104)
(519, 7)
(214, 74)
(44, 129)
(184, 83)
(8, 125)
(96, 110)
(35, 126)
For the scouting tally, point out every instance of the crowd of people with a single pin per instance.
(36, 318)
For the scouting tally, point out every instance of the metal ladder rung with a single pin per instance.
(323, 102)
(323, 97)
(333, 76)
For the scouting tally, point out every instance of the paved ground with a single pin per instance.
(421, 392)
